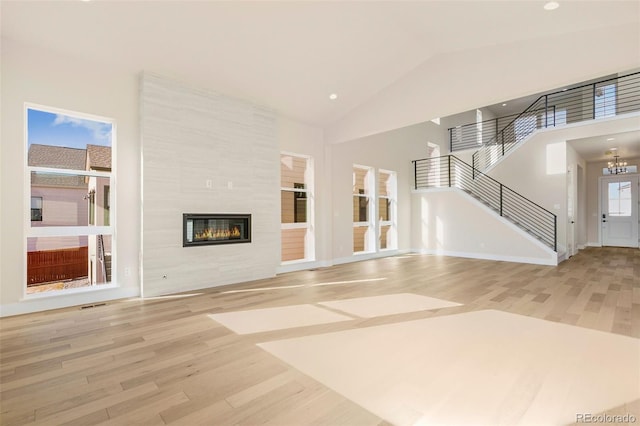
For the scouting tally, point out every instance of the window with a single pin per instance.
(107, 204)
(387, 189)
(605, 100)
(555, 117)
(363, 230)
(69, 165)
(36, 209)
(479, 126)
(296, 207)
(620, 199)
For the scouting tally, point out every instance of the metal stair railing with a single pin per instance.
(101, 256)
(450, 171)
(605, 98)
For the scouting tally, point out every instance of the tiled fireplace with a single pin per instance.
(215, 228)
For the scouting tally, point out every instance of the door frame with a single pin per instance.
(600, 206)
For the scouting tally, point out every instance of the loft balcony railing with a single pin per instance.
(605, 98)
(450, 171)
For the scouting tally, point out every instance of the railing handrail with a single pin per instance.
(478, 172)
(527, 110)
(101, 257)
(491, 120)
(537, 220)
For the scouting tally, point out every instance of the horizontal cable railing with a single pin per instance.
(450, 171)
(472, 136)
(606, 98)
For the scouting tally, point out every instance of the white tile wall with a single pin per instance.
(190, 136)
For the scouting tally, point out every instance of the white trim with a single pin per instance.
(301, 265)
(594, 244)
(68, 231)
(360, 224)
(293, 154)
(55, 231)
(360, 256)
(71, 172)
(309, 191)
(517, 259)
(55, 110)
(294, 225)
(68, 291)
(66, 300)
(287, 188)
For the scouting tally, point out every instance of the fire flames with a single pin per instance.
(218, 234)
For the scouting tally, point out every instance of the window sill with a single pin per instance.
(68, 292)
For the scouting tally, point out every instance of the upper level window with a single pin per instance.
(605, 100)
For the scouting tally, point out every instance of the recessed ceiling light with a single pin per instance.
(504, 104)
(333, 96)
(611, 139)
(552, 5)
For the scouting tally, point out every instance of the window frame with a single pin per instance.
(392, 206)
(30, 231)
(370, 240)
(308, 191)
(41, 208)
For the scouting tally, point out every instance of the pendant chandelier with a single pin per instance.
(617, 167)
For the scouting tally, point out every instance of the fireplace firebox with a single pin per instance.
(208, 229)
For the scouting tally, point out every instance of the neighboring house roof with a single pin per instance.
(98, 157)
(60, 158)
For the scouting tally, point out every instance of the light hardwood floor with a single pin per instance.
(165, 361)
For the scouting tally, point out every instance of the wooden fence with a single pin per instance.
(57, 265)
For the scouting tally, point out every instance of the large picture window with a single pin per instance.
(71, 184)
(296, 207)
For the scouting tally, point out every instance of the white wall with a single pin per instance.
(450, 222)
(42, 77)
(448, 84)
(191, 136)
(390, 151)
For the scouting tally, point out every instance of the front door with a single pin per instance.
(619, 216)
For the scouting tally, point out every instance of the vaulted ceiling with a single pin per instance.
(293, 55)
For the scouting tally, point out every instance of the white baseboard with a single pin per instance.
(369, 256)
(53, 301)
(488, 256)
(592, 244)
(302, 265)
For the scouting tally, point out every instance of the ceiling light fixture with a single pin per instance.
(611, 139)
(504, 104)
(552, 5)
(617, 167)
(333, 96)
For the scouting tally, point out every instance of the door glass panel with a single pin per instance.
(620, 199)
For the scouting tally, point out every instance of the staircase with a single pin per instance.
(602, 99)
(107, 266)
(450, 171)
(104, 259)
